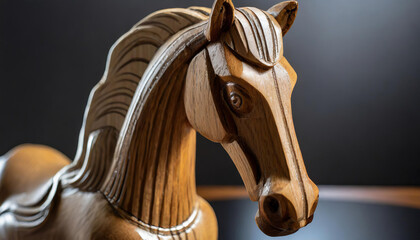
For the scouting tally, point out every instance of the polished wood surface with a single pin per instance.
(393, 195)
(220, 72)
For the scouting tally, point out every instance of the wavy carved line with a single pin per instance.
(124, 54)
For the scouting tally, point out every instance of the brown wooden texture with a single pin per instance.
(220, 72)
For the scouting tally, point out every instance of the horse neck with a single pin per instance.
(152, 179)
(159, 179)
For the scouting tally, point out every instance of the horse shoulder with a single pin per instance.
(26, 167)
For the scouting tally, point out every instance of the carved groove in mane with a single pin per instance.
(254, 38)
(111, 97)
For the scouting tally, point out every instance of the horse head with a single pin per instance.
(237, 93)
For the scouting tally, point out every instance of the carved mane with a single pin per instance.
(156, 135)
(254, 38)
(110, 99)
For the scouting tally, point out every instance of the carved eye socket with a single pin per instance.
(237, 99)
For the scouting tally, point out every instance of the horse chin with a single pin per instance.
(284, 228)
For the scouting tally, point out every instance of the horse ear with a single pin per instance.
(221, 19)
(284, 13)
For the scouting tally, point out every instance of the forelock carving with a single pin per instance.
(255, 37)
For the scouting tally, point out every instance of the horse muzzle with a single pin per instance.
(277, 216)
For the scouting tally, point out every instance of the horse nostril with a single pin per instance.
(277, 208)
(277, 212)
(272, 204)
(274, 208)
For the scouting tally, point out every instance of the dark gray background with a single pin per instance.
(334, 220)
(355, 106)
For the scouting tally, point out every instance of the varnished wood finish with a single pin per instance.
(44, 162)
(218, 71)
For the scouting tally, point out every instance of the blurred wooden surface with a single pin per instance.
(393, 195)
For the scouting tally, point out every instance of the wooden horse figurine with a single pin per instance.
(218, 71)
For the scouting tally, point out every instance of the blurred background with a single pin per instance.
(355, 105)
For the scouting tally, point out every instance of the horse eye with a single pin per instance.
(237, 99)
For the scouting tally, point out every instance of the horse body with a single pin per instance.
(176, 72)
(85, 215)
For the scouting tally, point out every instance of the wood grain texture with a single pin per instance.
(218, 71)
